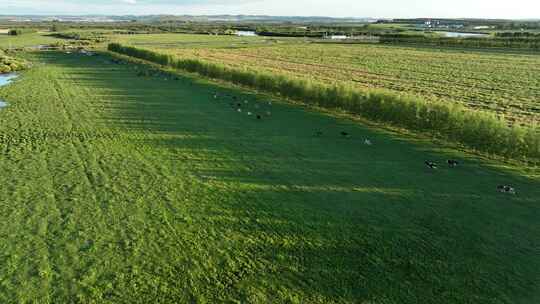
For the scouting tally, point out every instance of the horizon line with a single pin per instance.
(257, 15)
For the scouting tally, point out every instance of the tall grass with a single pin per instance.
(478, 130)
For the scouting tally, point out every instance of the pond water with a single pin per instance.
(246, 33)
(462, 35)
(5, 79)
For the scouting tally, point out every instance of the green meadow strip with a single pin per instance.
(478, 130)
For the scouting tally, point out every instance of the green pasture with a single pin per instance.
(192, 41)
(26, 40)
(501, 82)
(125, 189)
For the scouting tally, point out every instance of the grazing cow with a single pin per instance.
(431, 165)
(249, 113)
(368, 142)
(259, 117)
(268, 113)
(239, 110)
(506, 189)
(270, 103)
(453, 163)
(345, 134)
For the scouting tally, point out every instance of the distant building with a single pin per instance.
(432, 23)
(246, 33)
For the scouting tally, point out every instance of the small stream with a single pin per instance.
(246, 34)
(463, 35)
(6, 79)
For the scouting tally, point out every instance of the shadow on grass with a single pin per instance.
(327, 215)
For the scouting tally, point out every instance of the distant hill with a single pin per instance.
(159, 18)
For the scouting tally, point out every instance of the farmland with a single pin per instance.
(119, 188)
(181, 41)
(503, 82)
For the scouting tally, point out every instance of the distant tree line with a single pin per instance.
(494, 23)
(515, 25)
(286, 29)
(20, 31)
(96, 37)
(518, 35)
(513, 42)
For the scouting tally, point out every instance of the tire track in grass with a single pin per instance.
(97, 231)
(39, 214)
(65, 163)
(122, 236)
(63, 241)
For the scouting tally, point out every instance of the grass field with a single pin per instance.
(495, 81)
(501, 82)
(26, 40)
(126, 189)
(188, 41)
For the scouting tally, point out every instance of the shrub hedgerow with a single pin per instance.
(10, 64)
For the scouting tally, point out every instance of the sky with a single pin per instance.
(514, 9)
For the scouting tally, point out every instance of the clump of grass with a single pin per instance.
(10, 64)
(476, 129)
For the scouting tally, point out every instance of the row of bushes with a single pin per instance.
(9, 64)
(478, 130)
(96, 37)
(517, 34)
(20, 31)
